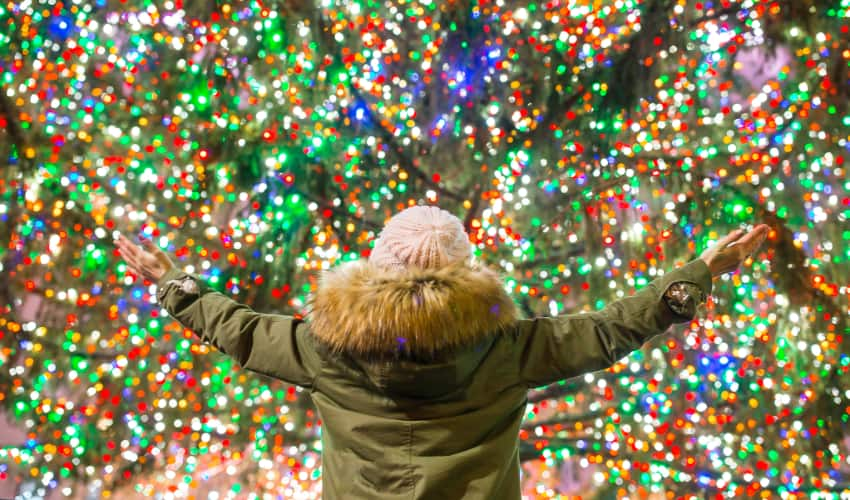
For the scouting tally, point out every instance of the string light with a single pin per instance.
(260, 148)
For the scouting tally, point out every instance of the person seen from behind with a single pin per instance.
(416, 358)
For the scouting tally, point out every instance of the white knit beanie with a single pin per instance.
(421, 236)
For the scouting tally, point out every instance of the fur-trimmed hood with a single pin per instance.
(367, 311)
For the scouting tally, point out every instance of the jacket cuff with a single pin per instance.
(172, 274)
(695, 271)
(694, 274)
(174, 278)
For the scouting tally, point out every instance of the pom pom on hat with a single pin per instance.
(421, 236)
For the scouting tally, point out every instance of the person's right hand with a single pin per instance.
(730, 252)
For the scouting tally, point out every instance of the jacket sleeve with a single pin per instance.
(561, 347)
(270, 344)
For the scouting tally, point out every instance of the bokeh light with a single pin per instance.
(588, 146)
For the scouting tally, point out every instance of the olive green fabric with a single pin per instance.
(443, 428)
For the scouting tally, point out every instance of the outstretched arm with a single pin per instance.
(561, 347)
(274, 345)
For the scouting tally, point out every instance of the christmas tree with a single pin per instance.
(588, 147)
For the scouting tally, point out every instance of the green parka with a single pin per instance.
(421, 376)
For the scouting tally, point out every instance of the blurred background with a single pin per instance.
(588, 146)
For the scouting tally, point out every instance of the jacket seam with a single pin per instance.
(410, 480)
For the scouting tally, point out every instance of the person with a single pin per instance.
(416, 359)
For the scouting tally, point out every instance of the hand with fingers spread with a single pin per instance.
(730, 252)
(150, 262)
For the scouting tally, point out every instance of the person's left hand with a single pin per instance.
(151, 263)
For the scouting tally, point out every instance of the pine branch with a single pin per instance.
(529, 451)
(559, 258)
(14, 213)
(408, 163)
(717, 14)
(475, 208)
(325, 204)
(571, 386)
(565, 419)
(58, 349)
(13, 127)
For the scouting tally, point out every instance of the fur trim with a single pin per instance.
(366, 310)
